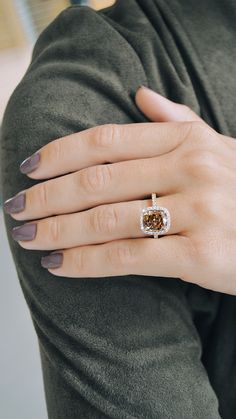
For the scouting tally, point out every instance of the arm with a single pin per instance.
(91, 333)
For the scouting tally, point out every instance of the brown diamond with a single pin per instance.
(153, 220)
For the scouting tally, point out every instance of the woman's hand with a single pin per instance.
(92, 214)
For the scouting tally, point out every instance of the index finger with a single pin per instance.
(108, 143)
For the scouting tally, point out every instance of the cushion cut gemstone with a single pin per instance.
(153, 220)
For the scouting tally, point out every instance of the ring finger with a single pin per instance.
(99, 225)
(96, 185)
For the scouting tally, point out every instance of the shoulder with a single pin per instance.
(83, 72)
(85, 34)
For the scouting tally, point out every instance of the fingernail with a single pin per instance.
(141, 86)
(15, 204)
(54, 260)
(24, 232)
(30, 164)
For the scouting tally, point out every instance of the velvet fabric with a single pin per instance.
(130, 346)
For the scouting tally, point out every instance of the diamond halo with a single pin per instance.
(155, 220)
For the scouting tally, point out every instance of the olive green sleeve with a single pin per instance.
(83, 73)
(103, 341)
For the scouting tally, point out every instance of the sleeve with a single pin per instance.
(83, 73)
(99, 340)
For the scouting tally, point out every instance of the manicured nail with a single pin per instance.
(30, 164)
(54, 260)
(15, 204)
(24, 232)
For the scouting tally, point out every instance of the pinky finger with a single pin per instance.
(166, 256)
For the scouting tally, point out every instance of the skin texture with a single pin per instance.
(90, 213)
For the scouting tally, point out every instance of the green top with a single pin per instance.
(87, 65)
(85, 69)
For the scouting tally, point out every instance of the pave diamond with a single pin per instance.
(155, 220)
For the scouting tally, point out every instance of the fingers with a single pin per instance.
(112, 142)
(168, 256)
(100, 224)
(158, 108)
(123, 181)
(103, 144)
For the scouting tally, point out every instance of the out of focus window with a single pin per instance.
(21, 21)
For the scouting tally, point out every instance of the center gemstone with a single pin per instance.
(153, 220)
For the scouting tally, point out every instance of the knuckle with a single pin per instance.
(120, 256)
(189, 254)
(95, 178)
(201, 163)
(79, 260)
(106, 135)
(210, 254)
(104, 220)
(54, 230)
(42, 195)
(55, 152)
(208, 205)
(205, 257)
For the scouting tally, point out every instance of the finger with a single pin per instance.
(103, 184)
(103, 144)
(158, 108)
(168, 256)
(100, 224)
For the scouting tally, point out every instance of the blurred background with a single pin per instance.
(21, 21)
(21, 385)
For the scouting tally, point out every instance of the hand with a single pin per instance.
(92, 213)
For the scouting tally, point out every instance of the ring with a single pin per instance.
(155, 220)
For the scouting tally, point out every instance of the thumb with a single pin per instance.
(160, 109)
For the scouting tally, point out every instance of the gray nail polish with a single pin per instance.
(24, 232)
(30, 164)
(54, 260)
(15, 204)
